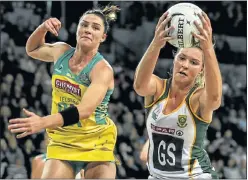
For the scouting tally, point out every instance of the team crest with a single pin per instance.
(182, 121)
(84, 78)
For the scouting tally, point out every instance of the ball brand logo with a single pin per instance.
(68, 87)
(180, 32)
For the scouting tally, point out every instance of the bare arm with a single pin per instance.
(145, 83)
(101, 80)
(101, 77)
(38, 49)
(213, 81)
(212, 93)
(144, 151)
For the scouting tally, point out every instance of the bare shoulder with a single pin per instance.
(103, 70)
(60, 48)
(103, 66)
(103, 73)
(160, 83)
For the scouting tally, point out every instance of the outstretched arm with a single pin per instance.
(145, 83)
(212, 93)
(101, 79)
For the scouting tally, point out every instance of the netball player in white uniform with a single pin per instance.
(179, 109)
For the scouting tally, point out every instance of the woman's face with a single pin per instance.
(188, 63)
(90, 31)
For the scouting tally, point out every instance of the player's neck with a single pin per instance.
(179, 89)
(81, 55)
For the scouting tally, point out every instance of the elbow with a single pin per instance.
(136, 86)
(216, 101)
(143, 157)
(27, 47)
(28, 51)
(85, 113)
(140, 90)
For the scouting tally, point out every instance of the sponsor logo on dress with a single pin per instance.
(179, 133)
(163, 129)
(68, 87)
(156, 112)
(182, 121)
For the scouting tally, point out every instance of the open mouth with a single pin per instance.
(183, 73)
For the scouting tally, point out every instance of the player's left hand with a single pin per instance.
(205, 36)
(25, 126)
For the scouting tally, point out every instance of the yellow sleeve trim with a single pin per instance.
(150, 105)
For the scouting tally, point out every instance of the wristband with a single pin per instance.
(70, 116)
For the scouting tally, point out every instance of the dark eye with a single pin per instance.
(84, 25)
(194, 62)
(96, 28)
(181, 58)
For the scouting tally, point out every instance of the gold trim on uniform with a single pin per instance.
(155, 102)
(190, 154)
(206, 121)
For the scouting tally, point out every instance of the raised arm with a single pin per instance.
(38, 49)
(212, 93)
(145, 83)
(101, 80)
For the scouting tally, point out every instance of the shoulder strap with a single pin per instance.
(166, 92)
(98, 57)
(63, 56)
(190, 93)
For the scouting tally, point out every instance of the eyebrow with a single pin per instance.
(93, 23)
(191, 57)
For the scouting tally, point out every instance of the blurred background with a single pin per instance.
(25, 82)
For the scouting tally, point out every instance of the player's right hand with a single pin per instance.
(52, 25)
(160, 37)
(26, 126)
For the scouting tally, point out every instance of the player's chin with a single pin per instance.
(182, 77)
(85, 44)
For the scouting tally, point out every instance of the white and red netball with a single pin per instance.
(183, 17)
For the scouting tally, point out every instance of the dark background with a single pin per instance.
(25, 82)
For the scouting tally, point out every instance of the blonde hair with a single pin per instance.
(110, 12)
(200, 78)
(107, 14)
